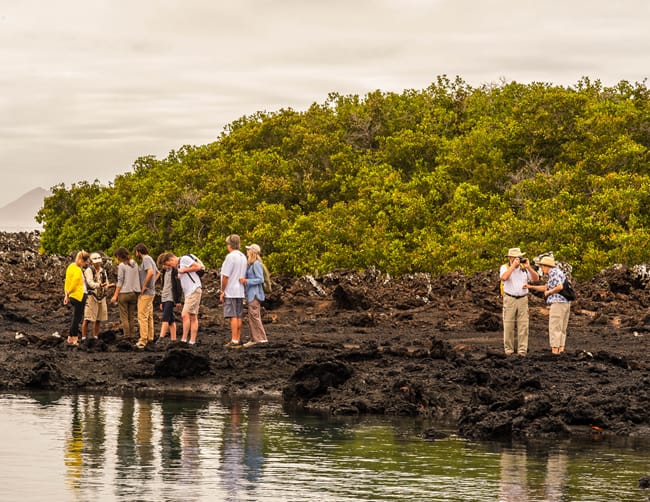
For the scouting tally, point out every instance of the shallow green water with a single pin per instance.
(83, 448)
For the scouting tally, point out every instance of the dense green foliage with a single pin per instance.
(442, 179)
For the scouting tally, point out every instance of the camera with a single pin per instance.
(523, 261)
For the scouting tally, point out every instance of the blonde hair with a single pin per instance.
(82, 258)
(253, 256)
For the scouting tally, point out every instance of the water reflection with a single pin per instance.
(242, 448)
(110, 448)
(515, 467)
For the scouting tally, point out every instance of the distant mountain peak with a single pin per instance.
(19, 215)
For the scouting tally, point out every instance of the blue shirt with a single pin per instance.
(255, 282)
(555, 278)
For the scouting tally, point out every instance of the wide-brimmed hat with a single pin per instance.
(515, 253)
(548, 261)
(255, 248)
(95, 258)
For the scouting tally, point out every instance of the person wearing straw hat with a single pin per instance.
(515, 275)
(560, 307)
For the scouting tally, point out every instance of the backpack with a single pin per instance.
(201, 271)
(567, 290)
(267, 287)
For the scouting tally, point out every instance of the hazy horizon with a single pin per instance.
(89, 87)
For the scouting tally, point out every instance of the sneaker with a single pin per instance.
(250, 344)
(233, 345)
(140, 345)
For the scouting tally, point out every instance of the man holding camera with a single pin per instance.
(514, 276)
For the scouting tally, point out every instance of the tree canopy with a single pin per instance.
(435, 180)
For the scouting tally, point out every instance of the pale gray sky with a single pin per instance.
(86, 87)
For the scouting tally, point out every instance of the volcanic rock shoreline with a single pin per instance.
(357, 343)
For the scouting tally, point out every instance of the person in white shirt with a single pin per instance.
(232, 290)
(514, 276)
(191, 285)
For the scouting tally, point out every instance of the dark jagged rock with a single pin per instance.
(353, 342)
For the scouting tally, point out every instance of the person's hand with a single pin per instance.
(114, 299)
(66, 300)
(242, 280)
(221, 297)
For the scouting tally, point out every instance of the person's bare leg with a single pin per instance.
(194, 327)
(186, 326)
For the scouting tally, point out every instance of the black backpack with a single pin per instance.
(201, 271)
(567, 290)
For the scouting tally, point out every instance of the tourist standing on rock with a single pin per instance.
(560, 307)
(192, 288)
(127, 290)
(148, 277)
(170, 298)
(96, 284)
(253, 283)
(514, 277)
(75, 293)
(232, 290)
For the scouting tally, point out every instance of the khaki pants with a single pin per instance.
(145, 318)
(515, 313)
(128, 305)
(258, 334)
(558, 320)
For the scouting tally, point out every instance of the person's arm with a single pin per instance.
(67, 287)
(534, 276)
(147, 278)
(553, 290)
(224, 284)
(120, 282)
(90, 278)
(258, 274)
(556, 279)
(509, 269)
(193, 267)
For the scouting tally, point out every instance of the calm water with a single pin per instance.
(98, 448)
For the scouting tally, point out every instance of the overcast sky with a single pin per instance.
(86, 87)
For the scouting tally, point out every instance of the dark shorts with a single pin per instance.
(168, 312)
(233, 307)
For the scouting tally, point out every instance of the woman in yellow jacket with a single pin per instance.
(75, 293)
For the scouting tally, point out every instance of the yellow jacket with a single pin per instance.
(74, 282)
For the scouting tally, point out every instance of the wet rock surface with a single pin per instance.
(348, 343)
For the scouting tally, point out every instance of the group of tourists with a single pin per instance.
(86, 287)
(517, 277)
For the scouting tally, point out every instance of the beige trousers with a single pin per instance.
(258, 334)
(558, 320)
(515, 314)
(145, 318)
